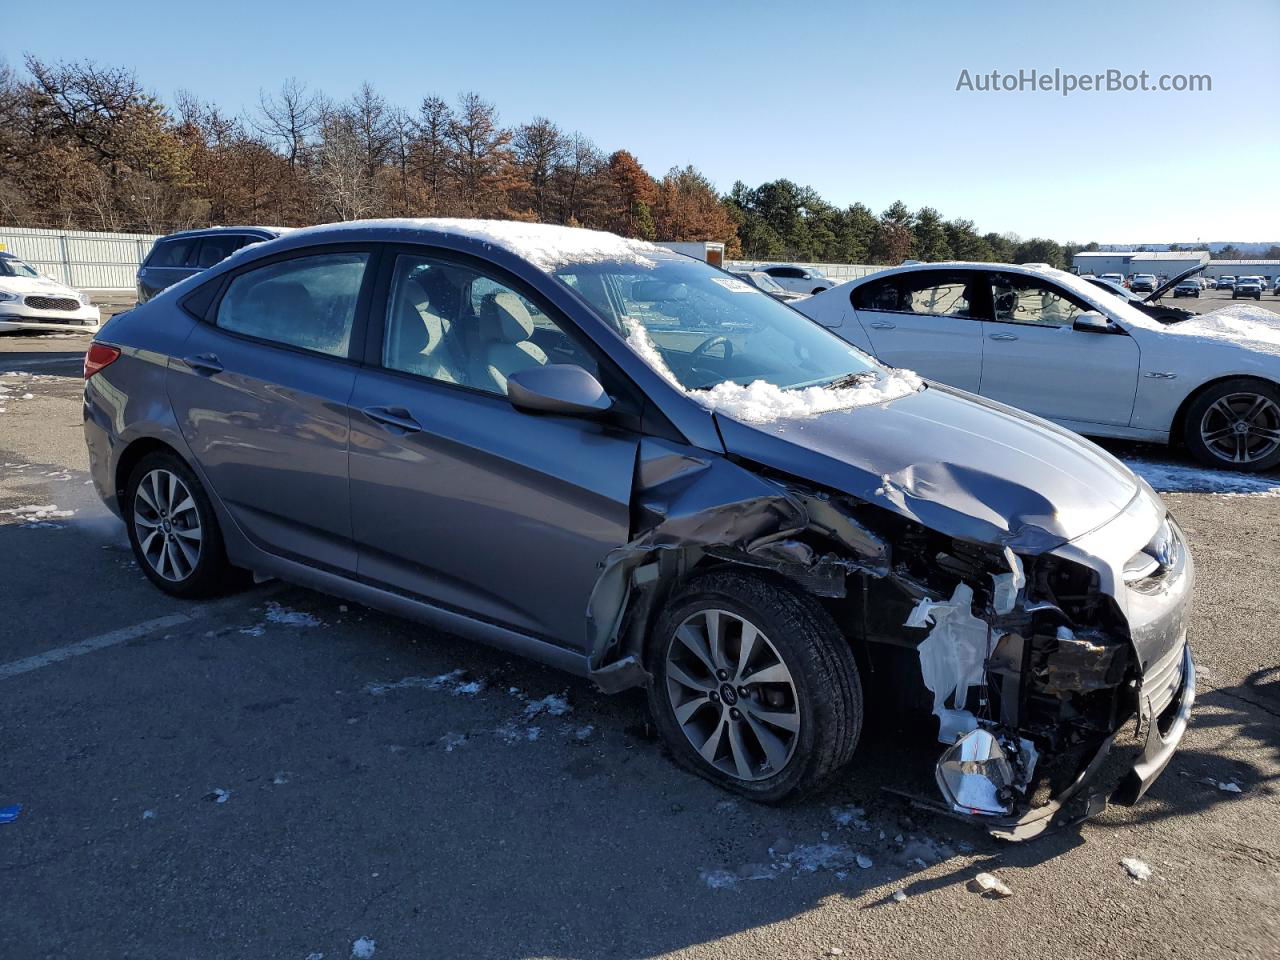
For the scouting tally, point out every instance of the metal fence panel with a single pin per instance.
(83, 259)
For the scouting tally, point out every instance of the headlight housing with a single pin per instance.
(84, 298)
(6, 297)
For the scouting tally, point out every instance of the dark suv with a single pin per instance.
(181, 255)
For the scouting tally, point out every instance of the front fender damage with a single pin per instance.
(1026, 666)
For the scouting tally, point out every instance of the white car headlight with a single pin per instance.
(84, 299)
(5, 296)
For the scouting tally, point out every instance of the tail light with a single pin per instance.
(99, 356)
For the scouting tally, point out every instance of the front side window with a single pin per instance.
(926, 292)
(307, 302)
(172, 253)
(11, 266)
(1019, 299)
(457, 325)
(711, 328)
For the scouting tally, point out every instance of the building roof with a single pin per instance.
(1147, 254)
(1244, 263)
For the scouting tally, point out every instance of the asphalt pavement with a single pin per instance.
(279, 774)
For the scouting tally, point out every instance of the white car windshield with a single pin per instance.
(1118, 308)
(766, 282)
(711, 328)
(11, 266)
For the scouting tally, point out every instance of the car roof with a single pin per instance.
(266, 232)
(1030, 270)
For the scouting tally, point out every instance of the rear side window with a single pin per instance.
(787, 273)
(307, 302)
(172, 253)
(929, 292)
(217, 248)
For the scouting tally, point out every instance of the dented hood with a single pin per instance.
(961, 465)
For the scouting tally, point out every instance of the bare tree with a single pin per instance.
(480, 159)
(431, 150)
(342, 186)
(291, 117)
(370, 120)
(540, 148)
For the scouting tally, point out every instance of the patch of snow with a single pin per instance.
(452, 682)
(584, 732)
(1187, 478)
(256, 630)
(515, 732)
(282, 615)
(551, 705)
(148, 814)
(39, 515)
(1227, 786)
(899, 896)
(719, 879)
(219, 795)
(1254, 327)
(764, 402)
(452, 741)
(1136, 869)
(864, 862)
(850, 815)
(363, 948)
(281, 778)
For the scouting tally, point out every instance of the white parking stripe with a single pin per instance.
(123, 635)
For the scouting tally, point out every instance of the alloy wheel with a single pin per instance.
(1241, 428)
(733, 695)
(167, 525)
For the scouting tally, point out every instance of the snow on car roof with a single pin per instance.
(547, 246)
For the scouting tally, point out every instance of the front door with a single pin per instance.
(1034, 359)
(458, 497)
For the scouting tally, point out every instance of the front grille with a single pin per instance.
(52, 303)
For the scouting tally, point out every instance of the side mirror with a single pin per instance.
(1092, 322)
(563, 388)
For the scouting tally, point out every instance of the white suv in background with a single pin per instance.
(798, 279)
(30, 301)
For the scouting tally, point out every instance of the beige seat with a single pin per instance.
(504, 346)
(421, 340)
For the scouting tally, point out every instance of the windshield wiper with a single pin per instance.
(852, 379)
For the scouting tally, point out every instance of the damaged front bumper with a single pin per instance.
(1088, 795)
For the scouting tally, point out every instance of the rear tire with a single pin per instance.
(772, 739)
(1210, 430)
(174, 530)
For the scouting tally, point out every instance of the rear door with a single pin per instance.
(925, 320)
(261, 391)
(1034, 359)
(459, 498)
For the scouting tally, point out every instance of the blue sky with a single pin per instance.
(855, 99)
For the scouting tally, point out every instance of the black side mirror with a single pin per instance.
(563, 388)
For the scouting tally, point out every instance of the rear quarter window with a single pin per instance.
(172, 253)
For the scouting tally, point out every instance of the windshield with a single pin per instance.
(766, 282)
(11, 266)
(710, 328)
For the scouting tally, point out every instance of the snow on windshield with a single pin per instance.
(762, 402)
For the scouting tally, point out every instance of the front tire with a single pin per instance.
(1235, 425)
(174, 530)
(754, 686)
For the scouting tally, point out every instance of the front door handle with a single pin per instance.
(882, 325)
(1002, 336)
(204, 363)
(395, 419)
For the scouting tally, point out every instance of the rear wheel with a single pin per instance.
(174, 530)
(754, 687)
(1235, 424)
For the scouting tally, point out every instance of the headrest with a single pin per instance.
(503, 317)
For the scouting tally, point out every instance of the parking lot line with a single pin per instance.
(102, 640)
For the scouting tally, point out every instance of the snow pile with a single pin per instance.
(363, 948)
(547, 246)
(290, 618)
(763, 402)
(39, 515)
(551, 705)
(1136, 869)
(1253, 326)
(1185, 478)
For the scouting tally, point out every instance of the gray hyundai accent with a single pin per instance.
(625, 463)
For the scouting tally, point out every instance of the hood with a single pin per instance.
(25, 285)
(1246, 326)
(958, 464)
(1163, 288)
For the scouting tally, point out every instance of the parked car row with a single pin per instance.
(581, 448)
(29, 300)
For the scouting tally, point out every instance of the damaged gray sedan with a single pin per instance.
(635, 467)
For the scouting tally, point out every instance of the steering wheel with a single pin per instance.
(701, 349)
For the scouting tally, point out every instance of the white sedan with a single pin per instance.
(30, 301)
(1055, 345)
(798, 279)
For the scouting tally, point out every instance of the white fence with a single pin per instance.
(80, 258)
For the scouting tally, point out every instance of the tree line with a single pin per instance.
(86, 146)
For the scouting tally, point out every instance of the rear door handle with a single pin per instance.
(396, 419)
(1002, 336)
(205, 363)
(882, 325)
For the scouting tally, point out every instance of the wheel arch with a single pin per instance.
(131, 456)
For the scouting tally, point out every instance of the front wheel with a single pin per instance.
(1235, 424)
(754, 687)
(174, 530)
